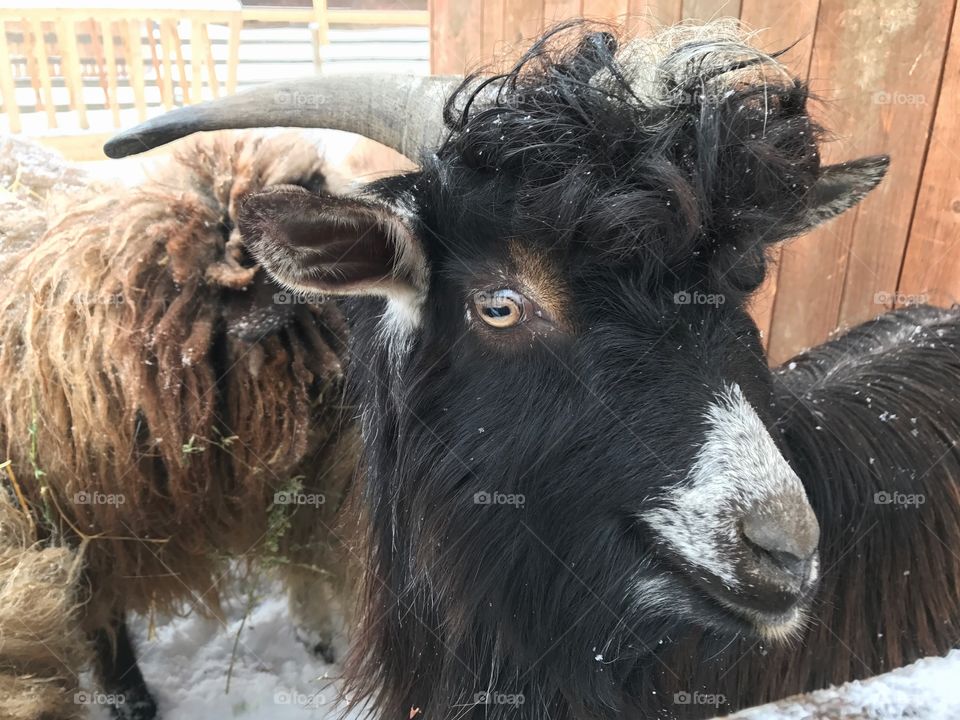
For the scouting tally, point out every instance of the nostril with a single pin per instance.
(789, 541)
(796, 566)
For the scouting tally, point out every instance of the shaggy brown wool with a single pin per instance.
(40, 645)
(35, 183)
(152, 381)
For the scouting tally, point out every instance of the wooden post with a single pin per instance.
(7, 86)
(134, 44)
(233, 53)
(166, 45)
(321, 31)
(155, 60)
(173, 33)
(70, 67)
(196, 61)
(43, 67)
(212, 78)
(110, 58)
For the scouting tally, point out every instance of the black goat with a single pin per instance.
(587, 495)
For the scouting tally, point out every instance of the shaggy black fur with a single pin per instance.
(686, 182)
(872, 420)
(616, 194)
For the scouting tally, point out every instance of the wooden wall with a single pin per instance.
(889, 78)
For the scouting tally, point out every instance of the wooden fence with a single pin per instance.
(71, 61)
(889, 76)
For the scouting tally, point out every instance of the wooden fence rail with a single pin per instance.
(889, 77)
(166, 47)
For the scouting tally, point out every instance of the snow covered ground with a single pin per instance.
(273, 676)
(187, 661)
(927, 690)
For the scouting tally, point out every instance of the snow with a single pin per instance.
(928, 690)
(274, 677)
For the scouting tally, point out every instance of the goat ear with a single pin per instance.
(332, 245)
(840, 187)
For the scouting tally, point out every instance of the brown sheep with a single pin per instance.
(157, 395)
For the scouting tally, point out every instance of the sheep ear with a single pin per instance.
(332, 245)
(842, 186)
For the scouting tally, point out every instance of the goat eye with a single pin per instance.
(501, 308)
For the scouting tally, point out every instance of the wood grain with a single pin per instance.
(780, 24)
(460, 49)
(710, 9)
(931, 268)
(868, 59)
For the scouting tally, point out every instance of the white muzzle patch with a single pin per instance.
(738, 467)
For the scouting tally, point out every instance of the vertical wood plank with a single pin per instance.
(155, 59)
(135, 74)
(174, 35)
(197, 54)
(43, 67)
(322, 19)
(491, 43)
(872, 62)
(233, 53)
(783, 24)
(456, 36)
(916, 72)
(110, 58)
(522, 22)
(609, 10)
(166, 59)
(99, 60)
(647, 15)
(931, 269)
(6, 82)
(712, 9)
(30, 54)
(211, 62)
(70, 67)
(556, 11)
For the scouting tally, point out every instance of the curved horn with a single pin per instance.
(403, 112)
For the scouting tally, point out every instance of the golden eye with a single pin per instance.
(500, 308)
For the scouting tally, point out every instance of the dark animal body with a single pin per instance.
(584, 493)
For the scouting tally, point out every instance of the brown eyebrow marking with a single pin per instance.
(542, 281)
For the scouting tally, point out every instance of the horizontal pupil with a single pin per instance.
(498, 312)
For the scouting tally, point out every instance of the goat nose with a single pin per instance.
(788, 538)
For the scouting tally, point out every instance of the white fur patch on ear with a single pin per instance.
(404, 312)
(737, 467)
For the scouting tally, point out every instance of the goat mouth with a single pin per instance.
(778, 625)
(777, 621)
